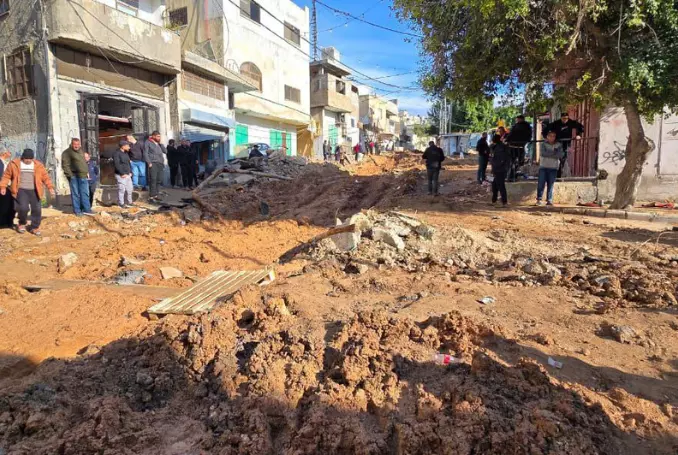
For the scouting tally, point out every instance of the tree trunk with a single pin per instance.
(638, 148)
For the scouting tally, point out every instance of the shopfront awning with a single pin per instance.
(207, 119)
(196, 133)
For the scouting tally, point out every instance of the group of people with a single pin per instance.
(507, 153)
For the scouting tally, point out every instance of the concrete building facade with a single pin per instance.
(267, 44)
(335, 106)
(94, 69)
(380, 119)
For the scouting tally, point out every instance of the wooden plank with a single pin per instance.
(206, 294)
(137, 289)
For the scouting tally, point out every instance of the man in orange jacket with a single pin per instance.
(28, 178)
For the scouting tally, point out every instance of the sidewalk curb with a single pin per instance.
(610, 213)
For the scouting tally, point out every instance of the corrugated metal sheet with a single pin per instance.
(208, 293)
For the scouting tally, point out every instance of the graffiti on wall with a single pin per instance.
(615, 156)
(17, 144)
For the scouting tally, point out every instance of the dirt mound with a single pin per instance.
(252, 378)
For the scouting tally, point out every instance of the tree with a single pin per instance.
(615, 52)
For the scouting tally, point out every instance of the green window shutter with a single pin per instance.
(275, 139)
(241, 135)
(332, 136)
(289, 144)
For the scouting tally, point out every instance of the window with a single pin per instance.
(19, 75)
(253, 74)
(4, 7)
(292, 34)
(341, 87)
(198, 84)
(251, 9)
(292, 94)
(178, 18)
(128, 6)
(231, 100)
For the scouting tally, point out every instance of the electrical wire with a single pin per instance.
(338, 11)
(351, 20)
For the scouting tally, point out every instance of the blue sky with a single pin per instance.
(372, 51)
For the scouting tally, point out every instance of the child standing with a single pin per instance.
(92, 177)
(549, 162)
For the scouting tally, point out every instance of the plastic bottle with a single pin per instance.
(445, 359)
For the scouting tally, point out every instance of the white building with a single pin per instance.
(267, 42)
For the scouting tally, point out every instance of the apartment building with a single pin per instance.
(94, 69)
(380, 120)
(335, 106)
(203, 96)
(266, 42)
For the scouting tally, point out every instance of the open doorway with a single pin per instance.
(105, 120)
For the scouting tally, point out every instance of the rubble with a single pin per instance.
(388, 236)
(169, 273)
(67, 261)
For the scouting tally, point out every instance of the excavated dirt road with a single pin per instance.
(336, 356)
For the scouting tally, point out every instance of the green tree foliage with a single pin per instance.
(473, 115)
(621, 52)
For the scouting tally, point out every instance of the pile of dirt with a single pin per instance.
(252, 378)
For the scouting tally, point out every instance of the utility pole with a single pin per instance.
(314, 30)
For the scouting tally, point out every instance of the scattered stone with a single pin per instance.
(623, 334)
(104, 214)
(388, 237)
(241, 179)
(356, 268)
(144, 379)
(73, 224)
(192, 214)
(168, 273)
(129, 277)
(90, 349)
(347, 241)
(67, 261)
(542, 338)
(126, 261)
(79, 236)
(487, 300)
(204, 259)
(585, 352)
(534, 268)
(425, 231)
(66, 236)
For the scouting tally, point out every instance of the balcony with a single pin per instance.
(326, 91)
(91, 26)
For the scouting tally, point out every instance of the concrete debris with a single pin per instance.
(425, 231)
(487, 300)
(67, 261)
(356, 268)
(347, 241)
(127, 261)
(389, 237)
(555, 363)
(192, 214)
(362, 222)
(129, 277)
(621, 333)
(168, 273)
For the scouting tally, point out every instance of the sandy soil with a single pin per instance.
(328, 361)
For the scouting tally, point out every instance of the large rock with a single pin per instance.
(425, 231)
(389, 237)
(192, 214)
(67, 261)
(347, 241)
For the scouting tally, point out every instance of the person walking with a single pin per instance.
(92, 177)
(483, 149)
(26, 179)
(173, 162)
(138, 163)
(563, 129)
(517, 139)
(186, 162)
(6, 202)
(501, 164)
(327, 150)
(549, 162)
(154, 156)
(196, 167)
(434, 157)
(122, 164)
(75, 168)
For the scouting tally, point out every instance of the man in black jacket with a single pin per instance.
(518, 137)
(483, 149)
(123, 174)
(186, 160)
(173, 162)
(434, 157)
(563, 129)
(501, 165)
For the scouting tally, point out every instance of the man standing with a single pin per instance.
(563, 129)
(92, 177)
(520, 135)
(6, 202)
(123, 174)
(75, 168)
(186, 162)
(173, 162)
(434, 157)
(327, 150)
(154, 155)
(27, 179)
(483, 149)
(138, 162)
(501, 164)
